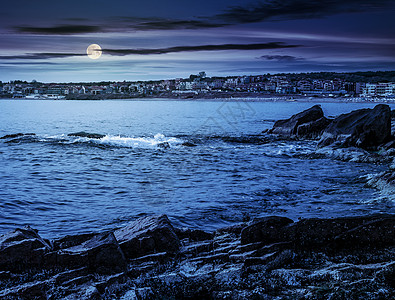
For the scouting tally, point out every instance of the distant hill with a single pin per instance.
(369, 76)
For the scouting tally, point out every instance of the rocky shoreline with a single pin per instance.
(363, 135)
(268, 258)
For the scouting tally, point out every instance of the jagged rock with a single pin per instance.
(148, 235)
(101, 254)
(289, 127)
(363, 128)
(71, 240)
(87, 135)
(267, 230)
(22, 248)
(313, 129)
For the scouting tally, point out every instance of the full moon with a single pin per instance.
(93, 51)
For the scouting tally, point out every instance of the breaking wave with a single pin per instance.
(157, 141)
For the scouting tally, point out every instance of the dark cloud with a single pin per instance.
(261, 46)
(168, 24)
(297, 9)
(61, 29)
(174, 24)
(264, 10)
(280, 58)
(40, 56)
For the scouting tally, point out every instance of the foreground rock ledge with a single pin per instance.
(268, 258)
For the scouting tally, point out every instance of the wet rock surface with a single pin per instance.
(289, 127)
(363, 128)
(268, 258)
(363, 135)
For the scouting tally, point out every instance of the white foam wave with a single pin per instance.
(351, 154)
(139, 142)
(157, 141)
(288, 149)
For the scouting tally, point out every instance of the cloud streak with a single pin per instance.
(283, 58)
(297, 9)
(169, 24)
(34, 56)
(123, 52)
(260, 46)
(60, 30)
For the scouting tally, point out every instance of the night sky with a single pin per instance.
(46, 40)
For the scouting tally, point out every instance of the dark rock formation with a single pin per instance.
(313, 116)
(351, 232)
(16, 135)
(269, 258)
(313, 129)
(267, 230)
(323, 233)
(193, 234)
(71, 240)
(87, 135)
(22, 248)
(363, 128)
(101, 254)
(148, 235)
(164, 145)
(188, 144)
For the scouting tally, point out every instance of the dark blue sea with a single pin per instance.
(62, 185)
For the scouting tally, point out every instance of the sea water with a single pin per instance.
(226, 173)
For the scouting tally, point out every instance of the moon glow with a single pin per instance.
(93, 51)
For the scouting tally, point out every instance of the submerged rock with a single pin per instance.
(87, 135)
(164, 145)
(289, 127)
(188, 144)
(363, 128)
(15, 135)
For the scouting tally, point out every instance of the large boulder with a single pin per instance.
(313, 129)
(363, 128)
(101, 254)
(266, 230)
(148, 235)
(289, 127)
(21, 249)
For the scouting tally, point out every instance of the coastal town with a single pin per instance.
(367, 86)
